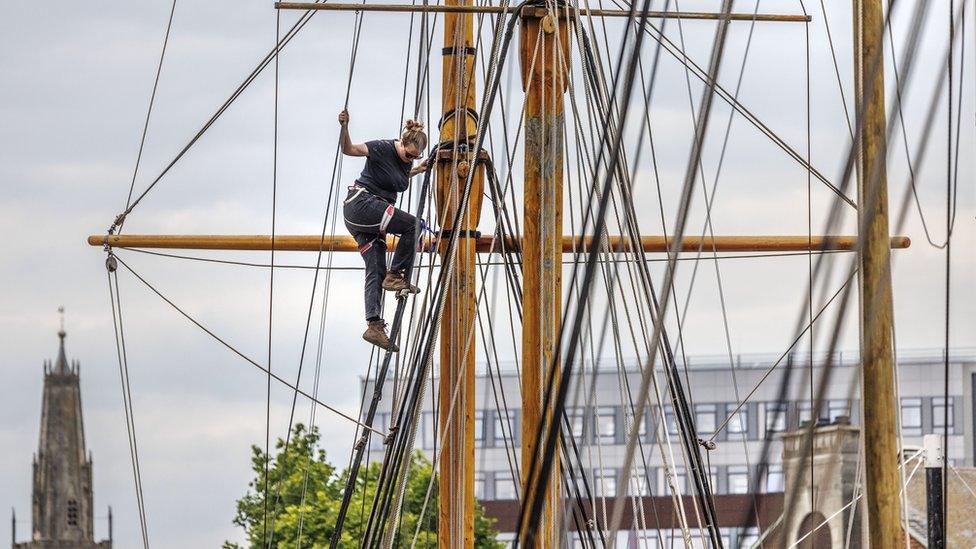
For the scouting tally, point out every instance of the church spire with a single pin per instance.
(62, 504)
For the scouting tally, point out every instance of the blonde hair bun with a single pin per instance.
(413, 134)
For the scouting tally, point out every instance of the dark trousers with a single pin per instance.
(369, 219)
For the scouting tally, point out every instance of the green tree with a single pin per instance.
(308, 504)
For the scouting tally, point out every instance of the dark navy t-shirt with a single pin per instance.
(384, 174)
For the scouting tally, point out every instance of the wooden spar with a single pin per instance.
(544, 54)
(471, 9)
(456, 393)
(874, 273)
(484, 244)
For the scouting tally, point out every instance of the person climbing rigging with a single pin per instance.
(370, 215)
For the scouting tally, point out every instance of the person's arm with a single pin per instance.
(348, 147)
(419, 168)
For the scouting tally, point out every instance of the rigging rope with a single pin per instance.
(709, 199)
(531, 514)
(130, 422)
(116, 303)
(333, 187)
(236, 351)
(152, 101)
(392, 463)
(871, 181)
(611, 282)
(362, 443)
(271, 273)
(904, 130)
(262, 64)
(950, 215)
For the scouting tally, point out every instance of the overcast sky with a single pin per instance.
(75, 80)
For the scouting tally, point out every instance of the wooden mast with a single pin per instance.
(874, 273)
(455, 402)
(544, 48)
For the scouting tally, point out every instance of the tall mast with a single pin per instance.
(874, 272)
(456, 392)
(544, 52)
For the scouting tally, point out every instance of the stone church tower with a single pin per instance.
(62, 506)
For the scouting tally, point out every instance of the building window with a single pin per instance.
(670, 420)
(911, 416)
(804, 412)
(648, 539)
(504, 488)
(688, 482)
(939, 411)
(713, 479)
(739, 421)
(749, 538)
(679, 480)
(576, 424)
(775, 417)
(72, 512)
(605, 422)
(775, 481)
(500, 430)
(479, 485)
(639, 485)
(642, 428)
(705, 418)
(479, 429)
(738, 477)
(630, 418)
(830, 410)
(837, 408)
(606, 483)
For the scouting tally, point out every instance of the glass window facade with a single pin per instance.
(911, 416)
(739, 421)
(479, 485)
(605, 422)
(705, 418)
(939, 411)
(775, 480)
(504, 487)
(639, 483)
(738, 479)
(776, 417)
(479, 429)
(605, 482)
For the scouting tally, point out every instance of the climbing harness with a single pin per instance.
(385, 220)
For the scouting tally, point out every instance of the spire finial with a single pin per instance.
(61, 366)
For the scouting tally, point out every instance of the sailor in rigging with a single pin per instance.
(370, 215)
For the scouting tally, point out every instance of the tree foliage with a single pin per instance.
(310, 494)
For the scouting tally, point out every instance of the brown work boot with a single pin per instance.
(396, 282)
(376, 334)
